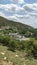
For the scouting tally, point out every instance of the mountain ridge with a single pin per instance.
(3, 19)
(16, 25)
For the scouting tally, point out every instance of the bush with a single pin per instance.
(4, 40)
(29, 46)
(12, 45)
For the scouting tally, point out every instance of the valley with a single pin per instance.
(18, 43)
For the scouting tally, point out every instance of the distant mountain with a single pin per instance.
(16, 25)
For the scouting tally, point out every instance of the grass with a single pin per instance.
(18, 58)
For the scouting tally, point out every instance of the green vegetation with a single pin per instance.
(9, 26)
(16, 51)
(17, 58)
(29, 46)
(15, 26)
(20, 53)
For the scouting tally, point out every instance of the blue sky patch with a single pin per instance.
(24, 11)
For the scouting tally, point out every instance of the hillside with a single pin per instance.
(17, 26)
(4, 21)
(14, 51)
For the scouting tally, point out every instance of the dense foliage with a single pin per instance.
(30, 47)
(15, 26)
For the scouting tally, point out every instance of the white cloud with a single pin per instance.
(17, 1)
(10, 7)
(2, 14)
(30, 6)
(25, 8)
(21, 1)
(26, 14)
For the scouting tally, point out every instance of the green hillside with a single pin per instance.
(4, 22)
(12, 50)
(18, 27)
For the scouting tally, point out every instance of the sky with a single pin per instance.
(24, 11)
